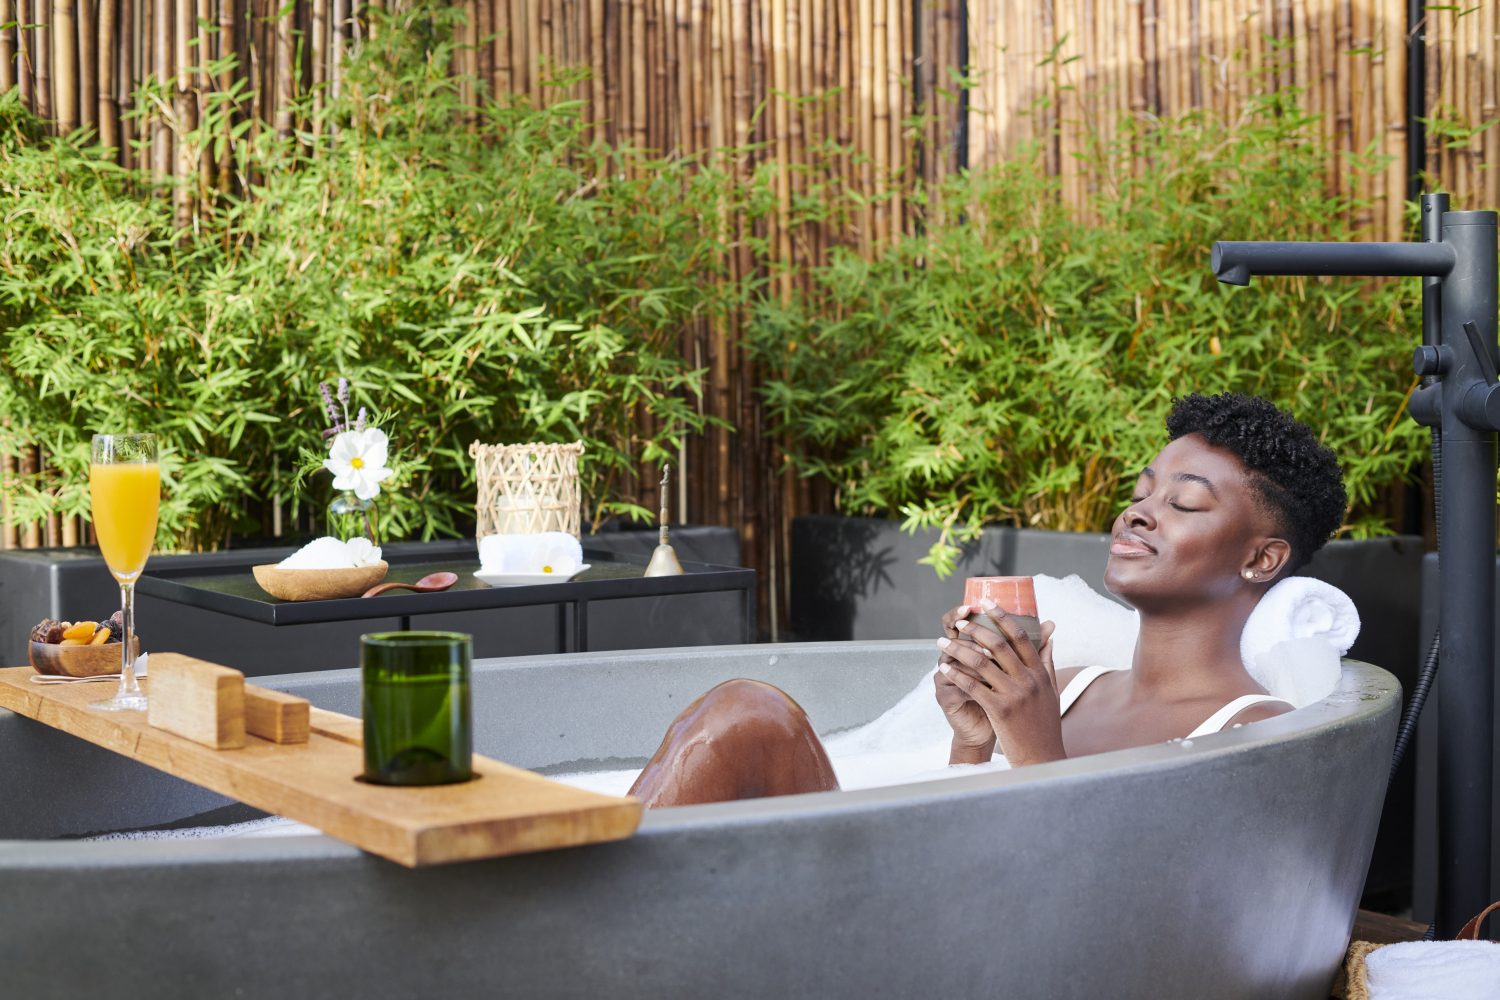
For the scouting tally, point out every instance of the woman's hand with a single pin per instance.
(973, 736)
(1011, 681)
(953, 617)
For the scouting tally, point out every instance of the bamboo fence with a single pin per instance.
(1064, 72)
(872, 95)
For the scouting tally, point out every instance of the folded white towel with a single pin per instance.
(1299, 607)
(539, 554)
(1434, 970)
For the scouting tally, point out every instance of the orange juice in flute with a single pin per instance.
(125, 501)
(125, 496)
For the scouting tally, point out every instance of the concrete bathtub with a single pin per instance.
(1230, 867)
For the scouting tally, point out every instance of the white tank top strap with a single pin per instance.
(1081, 680)
(1219, 719)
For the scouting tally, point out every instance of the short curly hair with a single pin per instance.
(1298, 479)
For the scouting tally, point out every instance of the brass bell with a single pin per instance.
(663, 559)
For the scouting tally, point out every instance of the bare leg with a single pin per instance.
(742, 740)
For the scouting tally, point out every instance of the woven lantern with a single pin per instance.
(525, 489)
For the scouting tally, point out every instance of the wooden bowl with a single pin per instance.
(317, 584)
(78, 661)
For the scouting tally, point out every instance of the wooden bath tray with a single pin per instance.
(506, 811)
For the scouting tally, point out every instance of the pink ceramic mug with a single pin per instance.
(1015, 595)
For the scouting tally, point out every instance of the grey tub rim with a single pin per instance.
(1363, 692)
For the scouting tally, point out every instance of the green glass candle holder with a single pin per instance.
(418, 718)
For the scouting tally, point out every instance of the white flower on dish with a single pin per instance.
(561, 560)
(357, 460)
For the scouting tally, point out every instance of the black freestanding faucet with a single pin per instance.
(1460, 401)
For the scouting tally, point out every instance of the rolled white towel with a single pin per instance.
(1299, 607)
(1434, 970)
(1294, 638)
(1298, 671)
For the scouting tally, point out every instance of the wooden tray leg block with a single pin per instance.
(276, 716)
(202, 702)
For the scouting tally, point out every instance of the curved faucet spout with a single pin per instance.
(1235, 262)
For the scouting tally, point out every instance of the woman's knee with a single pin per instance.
(744, 691)
(741, 739)
(743, 702)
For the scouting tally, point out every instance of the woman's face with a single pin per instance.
(1192, 528)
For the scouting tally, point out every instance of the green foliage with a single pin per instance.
(1016, 365)
(478, 274)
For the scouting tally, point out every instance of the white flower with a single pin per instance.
(361, 552)
(561, 560)
(357, 461)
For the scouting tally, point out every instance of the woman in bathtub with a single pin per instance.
(1242, 496)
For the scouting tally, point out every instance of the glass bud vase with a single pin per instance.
(350, 517)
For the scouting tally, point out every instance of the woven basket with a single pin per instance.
(1355, 987)
(526, 488)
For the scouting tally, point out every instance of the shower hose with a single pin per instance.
(1425, 676)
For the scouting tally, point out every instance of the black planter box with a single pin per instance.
(858, 578)
(69, 583)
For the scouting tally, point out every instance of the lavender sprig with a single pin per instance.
(330, 406)
(359, 421)
(344, 398)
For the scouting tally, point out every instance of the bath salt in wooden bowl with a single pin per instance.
(1015, 595)
(78, 661)
(318, 584)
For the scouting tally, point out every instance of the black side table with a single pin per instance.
(212, 608)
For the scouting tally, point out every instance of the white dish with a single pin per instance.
(521, 579)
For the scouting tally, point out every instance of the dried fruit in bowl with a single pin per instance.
(47, 630)
(81, 631)
(105, 632)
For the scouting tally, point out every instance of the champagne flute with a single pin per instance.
(125, 495)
